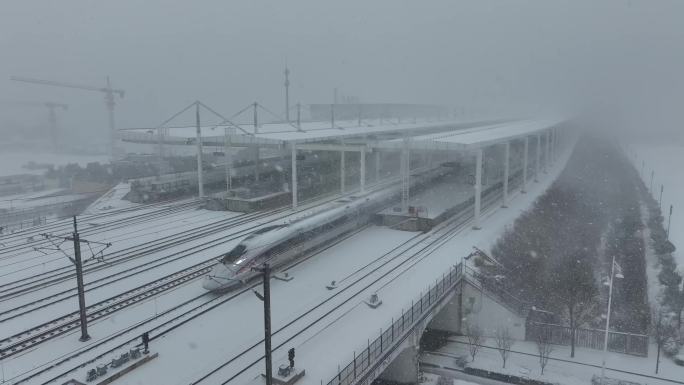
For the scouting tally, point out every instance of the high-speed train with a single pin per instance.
(281, 243)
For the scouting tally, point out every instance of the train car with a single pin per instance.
(281, 243)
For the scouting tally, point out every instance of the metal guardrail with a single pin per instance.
(618, 342)
(359, 370)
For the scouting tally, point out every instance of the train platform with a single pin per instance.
(428, 207)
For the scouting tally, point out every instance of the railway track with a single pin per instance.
(20, 242)
(454, 224)
(450, 229)
(30, 338)
(31, 306)
(48, 278)
(43, 280)
(65, 224)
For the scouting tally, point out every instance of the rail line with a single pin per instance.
(43, 280)
(451, 228)
(174, 320)
(66, 227)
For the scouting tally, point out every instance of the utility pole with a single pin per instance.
(266, 299)
(78, 263)
(287, 94)
(299, 116)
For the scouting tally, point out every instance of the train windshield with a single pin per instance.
(234, 254)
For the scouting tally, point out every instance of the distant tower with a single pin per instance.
(287, 94)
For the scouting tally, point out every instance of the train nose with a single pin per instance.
(210, 283)
(219, 278)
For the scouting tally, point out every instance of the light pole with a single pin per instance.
(613, 274)
(669, 221)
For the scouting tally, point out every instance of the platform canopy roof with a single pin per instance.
(284, 134)
(476, 137)
(460, 135)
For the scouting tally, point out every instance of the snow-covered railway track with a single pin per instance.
(53, 298)
(32, 337)
(168, 325)
(48, 278)
(20, 243)
(152, 325)
(404, 256)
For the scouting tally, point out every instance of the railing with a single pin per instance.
(626, 343)
(359, 370)
(493, 288)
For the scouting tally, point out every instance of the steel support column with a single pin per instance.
(293, 171)
(228, 155)
(478, 188)
(507, 155)
(343, 171)
(198, 139)
(547, 157)
(377, 164)
(362, 171)
(405, 176)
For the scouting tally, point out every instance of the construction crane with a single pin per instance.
(109, 100)
(52, 114)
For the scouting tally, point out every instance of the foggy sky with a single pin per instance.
(496, 56)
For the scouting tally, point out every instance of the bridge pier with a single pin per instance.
(404, 369)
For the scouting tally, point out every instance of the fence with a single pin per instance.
(359, 370)
(498, 290)
(627, 343)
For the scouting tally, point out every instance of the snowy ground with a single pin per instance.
(12, 162)
(562, 369)
(25, 263)
(305, 314)
(665, 161)
(111, 200)
(325, 344)
(28, 201)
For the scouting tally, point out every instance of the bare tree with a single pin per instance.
(504, 341)
(660, 329)
(544, 347)
(575, 289)
(475, 339)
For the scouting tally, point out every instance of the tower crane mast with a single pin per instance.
(109, 100)
(52, 114)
